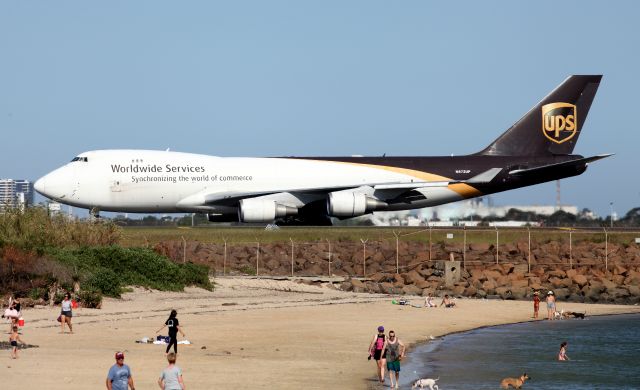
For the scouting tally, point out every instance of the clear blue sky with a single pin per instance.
(271, 78)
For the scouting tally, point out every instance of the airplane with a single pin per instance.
(310, 190)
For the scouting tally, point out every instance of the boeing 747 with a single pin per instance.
(309, 190)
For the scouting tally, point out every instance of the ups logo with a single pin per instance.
(559, 121)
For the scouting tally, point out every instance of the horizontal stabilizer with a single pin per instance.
(566, 164)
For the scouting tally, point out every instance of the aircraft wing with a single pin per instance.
(567, 164)
(206, 198)
(484, 177)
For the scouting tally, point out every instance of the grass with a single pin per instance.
(148, 237)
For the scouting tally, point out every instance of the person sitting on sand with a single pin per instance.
(562, 354)
(447, 302)
(428, 301)
(171, 377)
(14, 338)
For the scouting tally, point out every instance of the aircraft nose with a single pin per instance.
(40, 185)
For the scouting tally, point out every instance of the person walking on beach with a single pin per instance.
(66, 314)
(536, 304)
(562, 354)
(376, 347)
(174, 327)
(119, 376)
(14, 339)
(171, 377)
(394, 352)
(551, 305)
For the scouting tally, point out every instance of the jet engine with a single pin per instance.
(263, 210)
(352, 204)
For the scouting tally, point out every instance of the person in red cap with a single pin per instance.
(119, 376)
(375, 351)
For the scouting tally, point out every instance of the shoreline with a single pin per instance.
(246, 330)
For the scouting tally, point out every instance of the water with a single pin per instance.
(604, 352)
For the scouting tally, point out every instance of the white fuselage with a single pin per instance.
(166, 182)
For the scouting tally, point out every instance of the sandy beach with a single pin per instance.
(247, 333)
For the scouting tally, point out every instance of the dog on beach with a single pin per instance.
(424, 383)
(515, 382)
(568, 314)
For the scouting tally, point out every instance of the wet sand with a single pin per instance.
(247, 333)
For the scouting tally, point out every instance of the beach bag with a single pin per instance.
(59, 318)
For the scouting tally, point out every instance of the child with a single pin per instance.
(13, 339)
(171, 377)
(536, 304)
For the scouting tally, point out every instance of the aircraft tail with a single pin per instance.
(553, 125)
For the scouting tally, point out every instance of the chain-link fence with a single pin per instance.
(401, 252)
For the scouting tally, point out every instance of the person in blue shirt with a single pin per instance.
(119, 376)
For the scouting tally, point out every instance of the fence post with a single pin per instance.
(364, 257)
(184, 250)
(292, 249)
(329, 242)
(258, 258)
(606, 249)
(464, 247)
(429, 243)
(397, 264)
(570, 249)
(529, 250)
(224, 259)
(497, 243)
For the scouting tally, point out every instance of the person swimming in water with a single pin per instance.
(562, 354)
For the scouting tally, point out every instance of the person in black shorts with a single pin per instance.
(174, 327)
(14, 339)
(375, 350)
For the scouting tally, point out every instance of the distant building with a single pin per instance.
(15, 193)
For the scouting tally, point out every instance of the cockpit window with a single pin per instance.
(83, 159)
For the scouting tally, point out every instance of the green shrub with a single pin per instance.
(248, 270)
(105, 281)
(108, 269)
(90, 298)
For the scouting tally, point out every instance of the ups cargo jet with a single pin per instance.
(309, 190)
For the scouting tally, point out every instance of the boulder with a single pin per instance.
(504, 292)
(457, 290)
(634, 290)
(578, 279)
(562, 293)
(470, 291)
(387, 288)
(411, 289)
(372, 287)
(413, 277)
(516, 284)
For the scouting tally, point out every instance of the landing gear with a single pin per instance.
(95, 213)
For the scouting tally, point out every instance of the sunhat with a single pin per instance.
(380, 328)
(119, 355)
(550, 293)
